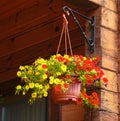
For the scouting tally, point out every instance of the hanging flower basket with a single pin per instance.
(45, 75)
(64, 75)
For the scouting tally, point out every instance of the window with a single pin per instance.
(20, 110)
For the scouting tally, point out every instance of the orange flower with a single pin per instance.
(79, 68)
(68, 76)
(95, 102)
(60, 58)
(85, 95)
(57, 88)
(66, 85)
(89, 82)
(79, 100)
(105, 80)
(45, 66)
(66, 61)
(95, 95)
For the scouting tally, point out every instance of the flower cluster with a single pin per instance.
(43, 75)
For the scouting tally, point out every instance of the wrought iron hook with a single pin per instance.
(91, 41)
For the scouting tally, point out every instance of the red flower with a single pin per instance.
(97, 68)
(97, 58)
(79, 100)
(45, 66)
(81, 57)
(77, 62)
(60, 58)
(105, 80)
(66, 61)
(76, 79)
(68, 76)
(57, 88)
(100, 72)
(86, 67)
(95, 102)
(95, 95)
(90, 98)
(66, 85)
(89, 82)
(94, 77)
(79, 68)
(87, 76)
(85, 95)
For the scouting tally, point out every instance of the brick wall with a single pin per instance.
(107, 49)
(119, 56)
(107, 46)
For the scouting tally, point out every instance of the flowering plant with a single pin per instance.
(43, 75)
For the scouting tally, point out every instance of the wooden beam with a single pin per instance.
(11, 7)
(26, 20)
(49, 28)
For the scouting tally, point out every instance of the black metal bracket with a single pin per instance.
(91, 41)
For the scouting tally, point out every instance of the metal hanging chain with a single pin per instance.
(67, 36)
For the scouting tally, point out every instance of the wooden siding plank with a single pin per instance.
(12, 7)
(27, 19)
(45, 31)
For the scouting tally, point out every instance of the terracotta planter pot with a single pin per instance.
(68, 96)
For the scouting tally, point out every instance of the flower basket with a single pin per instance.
(64, 75)
(46, 75)
(68, 96)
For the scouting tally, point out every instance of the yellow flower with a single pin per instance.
(58, 55)
(58, 73)
(36, 84)
(51, 79)
(21, 67)
(37, 73)
(57, 81)
(44, 76)
(39, 67)
(64, 67)
(62, 82)
(40, 86)
(29, 71)
(31, 85)
(66, 56)
(19, 73)
(34, 95)
(27, 87)
(45, 94)
(47, 86)
(18, 87)
(26, 66)
(53, 57)
(40, 61)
